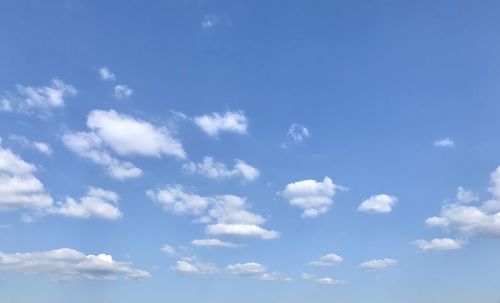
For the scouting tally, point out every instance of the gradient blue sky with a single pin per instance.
(378, 85)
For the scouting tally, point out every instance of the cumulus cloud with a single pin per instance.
(98, 203)
(254, 270)
(379, 204)
(378, 264)
(41, 100)
(216, 123)
(191, 266)
(213, 243)
(122, 91)
(314, 197)
(216, 170)
(41, 147)
(68, 264)
(438, 244)
(112, 132)
(224, 214)
(445, 142)
(328, 260)
(298, 132)
(106, 74)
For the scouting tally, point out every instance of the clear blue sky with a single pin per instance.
(249, 151)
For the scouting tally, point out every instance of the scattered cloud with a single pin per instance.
(224, 214)
(254, 270)
(329, 281)
(210, 21)
(67, 264)
(191, 266)
(438, 244)
(327, 260)
(122, 91)
(169, 250)
(216, 123)
(40, 100)
(445, 142)
(378, 264)
(213, 243)
(106, 74)
(298, 132)
(314, 197)
(380, 204)
(216, 170)
(41, 147)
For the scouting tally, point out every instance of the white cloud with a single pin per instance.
(298, 132)
(329, 281)
(106, 74)
(380, 204)
(254, 270)
(466, 196)
(378, 264)
(307, 276)
(445, 142)
(41, 147)
(97, 203)
(124, 135)
(69, 264)
(210, 21)
(438, 244)
(225, 214)
(215, 123)
(169, 250)
(314, 197)
(122, 91)
(190, 266)
(213, 243)
(216, 170)
(29, 99)
(19, 188)
(327, 260)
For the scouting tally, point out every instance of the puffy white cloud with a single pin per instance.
(19, 188)
(215, 123)
(122, 91)
(225, 214)
(445, 142)
(328, 260)
(438, 244)
(125, 136)
(97, 203)
(41, 147)
(298, 132)
(213, 243)
(329, 281)
(380, 204)
(378, 264)
(30, 99)
(466, 196)
(314, 197)
(216, 170)
(169, 250)
(69, 264)
(190, 266)
(106, 74)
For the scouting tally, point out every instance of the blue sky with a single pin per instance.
(249, 151)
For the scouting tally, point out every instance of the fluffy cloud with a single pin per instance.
(30, 99)
(106, 74)
(380, 204)
(378, 264)
(97, 203)
(215, 123)
(190, 266)
(41, 147)
(298, 132)
(122, 91)
(213, 243)
(216, 170)
(314, 197)
(225, 214)
(327, 260)
(124, 135)
(445, 142)
(254, 270)
(19, 188)
(69, 264)
(438, 244)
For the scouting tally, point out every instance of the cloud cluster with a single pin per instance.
(112, 132)
(314, 197)
(379, 204)
(68, 264)
(216, 170)
(225, 215)
(216, 123)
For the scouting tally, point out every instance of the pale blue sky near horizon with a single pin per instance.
(376, 84)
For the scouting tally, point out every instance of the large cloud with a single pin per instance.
(314, 197)
(69, 264)
(215, 123)
(224, 214)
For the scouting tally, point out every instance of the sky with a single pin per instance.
(249, 151)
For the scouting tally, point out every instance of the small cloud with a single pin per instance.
(329, 281)
(213, 243)
(122, 92)
(377, 264)
(445, 142)
(466, 196)
(41, 147)
(106, 74)
(215, 123)
(438, 244)
(169, 250)
(379, 204)
(327, 260)
(210, 21)
(298, 132)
